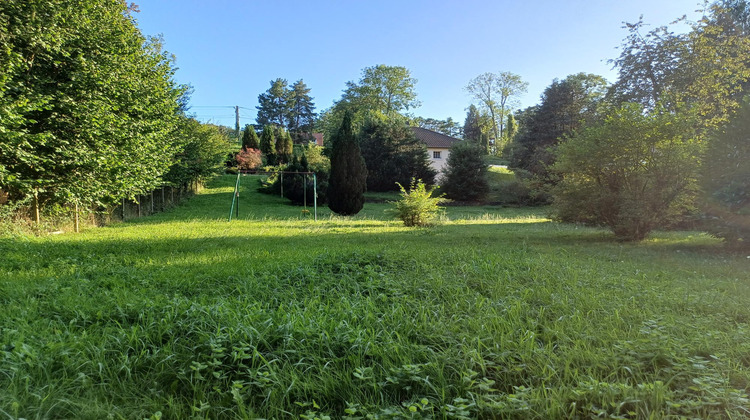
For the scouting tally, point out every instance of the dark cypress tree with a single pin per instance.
(284, 145)
(347, 184)
(268, 144)
(250, 138)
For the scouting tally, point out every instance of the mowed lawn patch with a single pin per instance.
(494, 313)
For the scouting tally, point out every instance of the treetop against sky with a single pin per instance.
(229, 50)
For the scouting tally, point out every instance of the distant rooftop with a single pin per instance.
(434, 139)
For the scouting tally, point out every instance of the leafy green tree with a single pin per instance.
(382, 91)
(301, 115)
(632, 172)
(348, 180)
(393, 154)
(447, 126)
(726, 180)
(274, 105)
(386, 89)
(465, 174)
(497, 93)
(250, 138)
(89, 106)
(201, 151)
(705, 69)
(268, 144)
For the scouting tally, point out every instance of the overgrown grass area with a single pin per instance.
(494, 313)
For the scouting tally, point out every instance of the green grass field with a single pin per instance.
(493, 313)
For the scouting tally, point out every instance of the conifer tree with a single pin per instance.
(348, 172)
(250, 138)
(284, 145)
(268, 144)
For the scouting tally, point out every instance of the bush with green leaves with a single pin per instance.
(726, 181)
(417, 206)
(633, 173)
(465, 176)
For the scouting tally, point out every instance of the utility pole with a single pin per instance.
(237, 122)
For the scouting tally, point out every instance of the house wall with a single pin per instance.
(438, 164)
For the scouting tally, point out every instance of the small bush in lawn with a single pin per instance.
(417, 206)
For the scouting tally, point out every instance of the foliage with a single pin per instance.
(249, 159)
(200, 153)
(417, 206)
(382, 91)
(250, 138)
(472, 124)
(284, 146)
(465, 175)
(726, 180)
(385, 89)
(348, 181)
(393, 154)
(633, 172)
(301, 115)
(88, 105)
(567, 106)
(274, 104)
(447, 126)
(497, 94)
(268, 143)
(704, 70)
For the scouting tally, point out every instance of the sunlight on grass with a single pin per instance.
(493, 313)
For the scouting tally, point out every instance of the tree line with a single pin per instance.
(89, 109)
(664, 145)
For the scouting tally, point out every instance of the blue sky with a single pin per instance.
(231, 50)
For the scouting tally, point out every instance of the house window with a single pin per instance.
(436, 155)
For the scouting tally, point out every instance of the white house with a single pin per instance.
(438, 146)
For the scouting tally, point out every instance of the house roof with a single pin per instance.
(434, 139)
(318, 138)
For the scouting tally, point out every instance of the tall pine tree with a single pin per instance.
(347, 184)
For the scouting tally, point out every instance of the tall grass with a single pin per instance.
(495, 313)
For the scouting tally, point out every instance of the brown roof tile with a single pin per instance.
(434, 139)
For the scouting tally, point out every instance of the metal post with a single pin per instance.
(282, 185)
(315, 195)
(304, 190)
(237, 209)
(76, 221)
(123, 209)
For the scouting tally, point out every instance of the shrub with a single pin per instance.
(726, 181)
(417, 206)
(249, 159)
(633, 172)
(465, 176)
